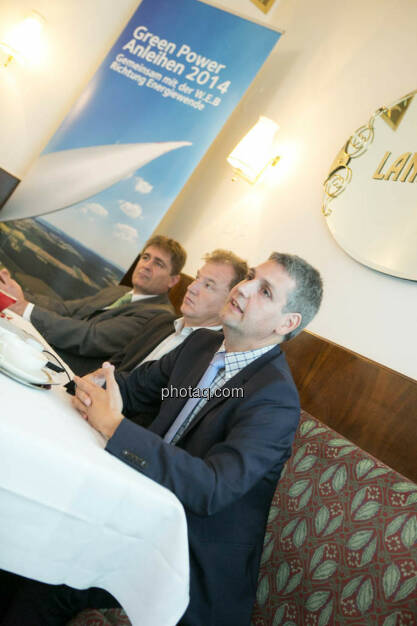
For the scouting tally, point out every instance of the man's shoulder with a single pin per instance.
(159, 303)
(196, 346)
(159, 298)
(272, 371)
(204, 337)
(116, 290)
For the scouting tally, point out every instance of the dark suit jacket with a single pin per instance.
(139, 347)
(85, 335)
(224, 468)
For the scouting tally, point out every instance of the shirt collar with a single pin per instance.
(236, 361)
(180, 329)
(141, 296)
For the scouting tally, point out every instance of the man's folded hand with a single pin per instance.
(102, 408)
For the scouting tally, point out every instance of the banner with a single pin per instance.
(130, 143)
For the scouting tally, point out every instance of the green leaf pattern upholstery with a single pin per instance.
(104, 617)
(341, 539)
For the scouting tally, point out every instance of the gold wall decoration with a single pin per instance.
(395, 114)
(264, 5)
(370, 199)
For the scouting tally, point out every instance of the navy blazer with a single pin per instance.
(140, 346)
(224, 468)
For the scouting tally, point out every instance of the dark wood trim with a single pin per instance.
(371, 405)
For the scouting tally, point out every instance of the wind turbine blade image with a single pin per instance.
(60, 179)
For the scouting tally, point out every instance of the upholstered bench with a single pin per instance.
(340, 544)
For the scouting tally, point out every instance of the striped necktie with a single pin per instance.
(186, 414)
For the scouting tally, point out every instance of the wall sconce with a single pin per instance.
(254, 152)
(24, 40)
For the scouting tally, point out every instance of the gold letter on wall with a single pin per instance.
(397, 166)
(378, 172)
(411, 167)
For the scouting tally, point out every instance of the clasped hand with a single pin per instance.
(102, 408)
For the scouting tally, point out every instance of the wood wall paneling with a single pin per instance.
(371, 405)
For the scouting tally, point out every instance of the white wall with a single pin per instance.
(336, 63)
(34, 100)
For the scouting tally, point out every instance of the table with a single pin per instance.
(71, 513)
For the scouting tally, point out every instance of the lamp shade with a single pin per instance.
(254, 152)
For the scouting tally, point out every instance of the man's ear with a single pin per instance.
(173, 280)
(290, 323)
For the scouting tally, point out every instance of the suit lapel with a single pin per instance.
(189, 374)
(104, 300)
(237, 381)
(146, 303)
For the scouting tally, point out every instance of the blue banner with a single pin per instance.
(136, 133)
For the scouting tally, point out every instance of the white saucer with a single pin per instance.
(7, 327)
(41, 377)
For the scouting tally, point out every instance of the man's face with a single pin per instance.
(254, 308)
(207, 294)
(152, 274)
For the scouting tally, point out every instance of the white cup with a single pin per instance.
(19, 354)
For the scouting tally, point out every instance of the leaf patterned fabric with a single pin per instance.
(105, 617)
(341, 540)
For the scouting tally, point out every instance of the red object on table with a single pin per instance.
(5, 300)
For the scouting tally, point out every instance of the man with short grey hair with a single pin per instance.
(307, 293)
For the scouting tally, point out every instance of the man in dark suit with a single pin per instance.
(87, 331)
(221, 453)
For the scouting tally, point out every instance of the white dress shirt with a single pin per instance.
(173, 340)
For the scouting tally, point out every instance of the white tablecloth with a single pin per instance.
(71, 513)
